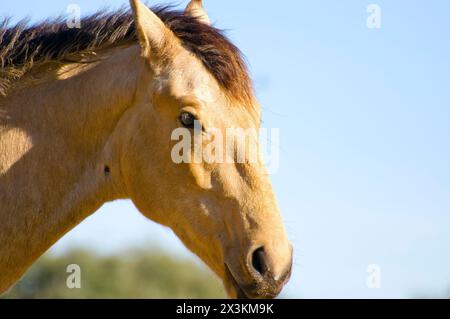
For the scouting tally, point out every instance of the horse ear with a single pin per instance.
(153, 35)
(195, 9)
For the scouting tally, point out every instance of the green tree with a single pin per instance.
(133, 274)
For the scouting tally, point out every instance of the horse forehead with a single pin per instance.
(189, 77)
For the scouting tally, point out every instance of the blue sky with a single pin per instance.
(364, 122)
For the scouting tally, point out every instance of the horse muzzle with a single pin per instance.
(261, 277)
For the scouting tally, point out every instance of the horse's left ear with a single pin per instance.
(155, 38)
(195, 9)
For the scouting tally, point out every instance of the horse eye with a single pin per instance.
(187, 119)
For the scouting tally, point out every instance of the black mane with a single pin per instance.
(23, 46)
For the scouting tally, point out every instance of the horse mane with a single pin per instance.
(22, 47)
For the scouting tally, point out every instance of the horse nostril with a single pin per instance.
(259, 262)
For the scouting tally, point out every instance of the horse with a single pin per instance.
(86, 117)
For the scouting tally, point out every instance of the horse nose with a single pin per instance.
(268, 267)
(259, 261)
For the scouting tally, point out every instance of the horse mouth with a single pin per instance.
(262, 290)
(230, 277)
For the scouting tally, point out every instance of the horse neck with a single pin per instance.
(54, 145)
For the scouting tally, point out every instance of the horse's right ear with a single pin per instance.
(154, 37)
(195, 9)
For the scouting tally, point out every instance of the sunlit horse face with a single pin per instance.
(225, 213)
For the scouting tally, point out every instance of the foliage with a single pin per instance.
(134, 274)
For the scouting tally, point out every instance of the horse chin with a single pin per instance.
(251, 291)
(233, 288)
